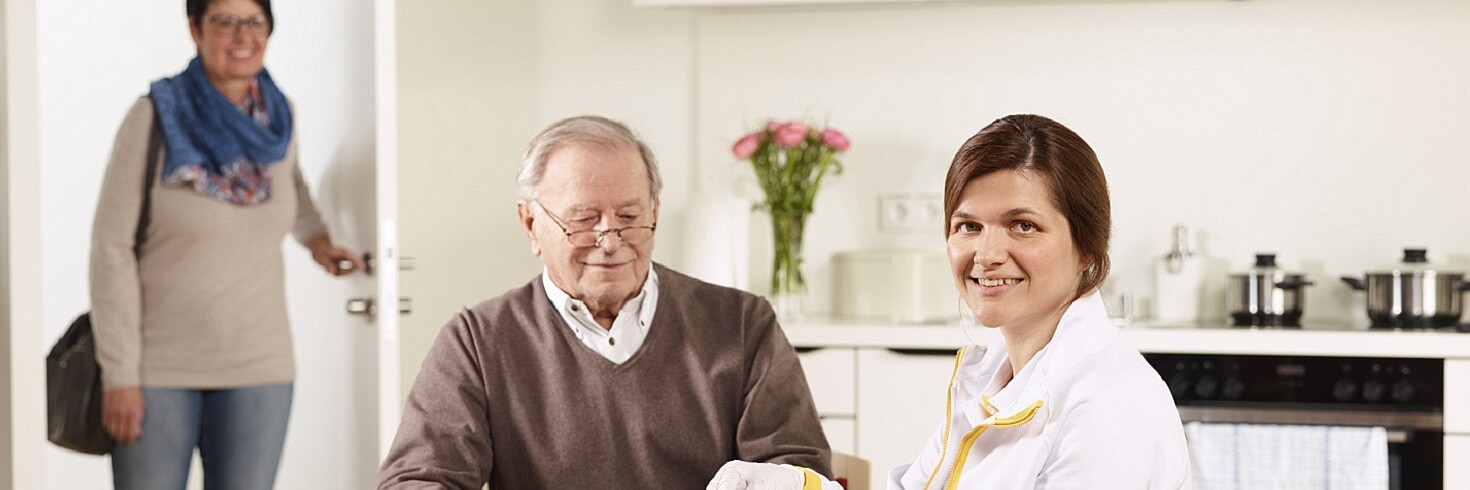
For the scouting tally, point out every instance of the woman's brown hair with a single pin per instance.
(1044, 148)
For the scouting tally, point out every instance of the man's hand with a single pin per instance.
(122, 414)
(741, 475)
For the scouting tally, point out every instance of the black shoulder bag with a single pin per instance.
(73, 378)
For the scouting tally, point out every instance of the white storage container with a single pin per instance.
(895, 286)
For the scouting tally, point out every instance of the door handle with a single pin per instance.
(366, 306)
(348, 266)
(404, 263)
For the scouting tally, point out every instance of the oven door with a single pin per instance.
(1415, 439)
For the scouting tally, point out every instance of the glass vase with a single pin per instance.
(788, 284)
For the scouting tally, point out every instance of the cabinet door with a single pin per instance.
(1456, 449)
(829, 375)
(841, 434)
(900, 403)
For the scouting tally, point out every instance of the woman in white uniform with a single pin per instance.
(1059, 398)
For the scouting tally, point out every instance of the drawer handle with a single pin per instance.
(924, 352)
(804, 350)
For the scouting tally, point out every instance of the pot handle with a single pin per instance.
(1297, 284)
(1355, 283)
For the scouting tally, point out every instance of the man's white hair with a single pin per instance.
(580, 130)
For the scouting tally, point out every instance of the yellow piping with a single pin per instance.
(969, 439)
(948, 399)
(989, 408)
(811, 481)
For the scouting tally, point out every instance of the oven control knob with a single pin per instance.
(1205, 387)
(1345, 390)
(1402, 391)
(1179, 385)
(1233, 389)
(1373, 390)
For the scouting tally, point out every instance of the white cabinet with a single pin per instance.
(901, 395)
(831, 374)
(878, 404)
(1457, 394)
(841, 434)
(1456, 423)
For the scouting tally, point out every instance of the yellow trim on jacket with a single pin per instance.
(968, 441)
(948, 401)
(810, 479)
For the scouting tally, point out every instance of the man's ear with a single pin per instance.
(527, 217)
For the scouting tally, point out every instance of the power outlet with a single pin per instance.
(906, 212)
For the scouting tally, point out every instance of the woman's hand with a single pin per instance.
(328, 255)
(122, 414)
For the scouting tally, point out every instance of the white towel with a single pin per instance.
(1253, 456)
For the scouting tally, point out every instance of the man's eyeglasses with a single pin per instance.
(631, 235)
(229, 25)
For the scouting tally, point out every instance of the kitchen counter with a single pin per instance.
(1315, 339)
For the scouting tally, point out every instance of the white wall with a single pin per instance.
(96, 59)
(631, 65)
(1329, 132)
(461, 131)
(477, 80)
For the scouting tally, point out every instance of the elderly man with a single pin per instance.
(607, 370)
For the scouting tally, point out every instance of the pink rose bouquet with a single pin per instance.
(790, 160)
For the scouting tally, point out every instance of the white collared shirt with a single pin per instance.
(1086, 411)
(628, 329)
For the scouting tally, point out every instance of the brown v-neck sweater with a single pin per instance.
(508, 395)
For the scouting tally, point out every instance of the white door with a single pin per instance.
(346, 404)
(335, 59)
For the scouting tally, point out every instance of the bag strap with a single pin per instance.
(155, 144)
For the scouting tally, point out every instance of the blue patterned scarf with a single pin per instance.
(213, 147)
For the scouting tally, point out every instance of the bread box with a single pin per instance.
(898, 286)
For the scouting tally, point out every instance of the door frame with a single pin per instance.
(22, 393)
(385, 70)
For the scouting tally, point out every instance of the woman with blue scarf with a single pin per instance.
(191, 325)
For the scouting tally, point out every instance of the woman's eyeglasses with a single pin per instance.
(229, 25)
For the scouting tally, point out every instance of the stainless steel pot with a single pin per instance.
(1412, 293)
(1265, 295)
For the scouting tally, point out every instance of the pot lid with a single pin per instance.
(1415, 261)
(1265, 264)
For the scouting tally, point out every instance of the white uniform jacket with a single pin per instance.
(1086, 412)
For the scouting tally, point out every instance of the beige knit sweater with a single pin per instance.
(203, 305)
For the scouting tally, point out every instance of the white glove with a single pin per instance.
(741, 475)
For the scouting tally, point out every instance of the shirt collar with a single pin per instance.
(560, 300)
(1083, 330)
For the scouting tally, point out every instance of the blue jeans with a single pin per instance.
(239, 433)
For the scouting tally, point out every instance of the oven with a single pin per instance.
(1405, 396)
